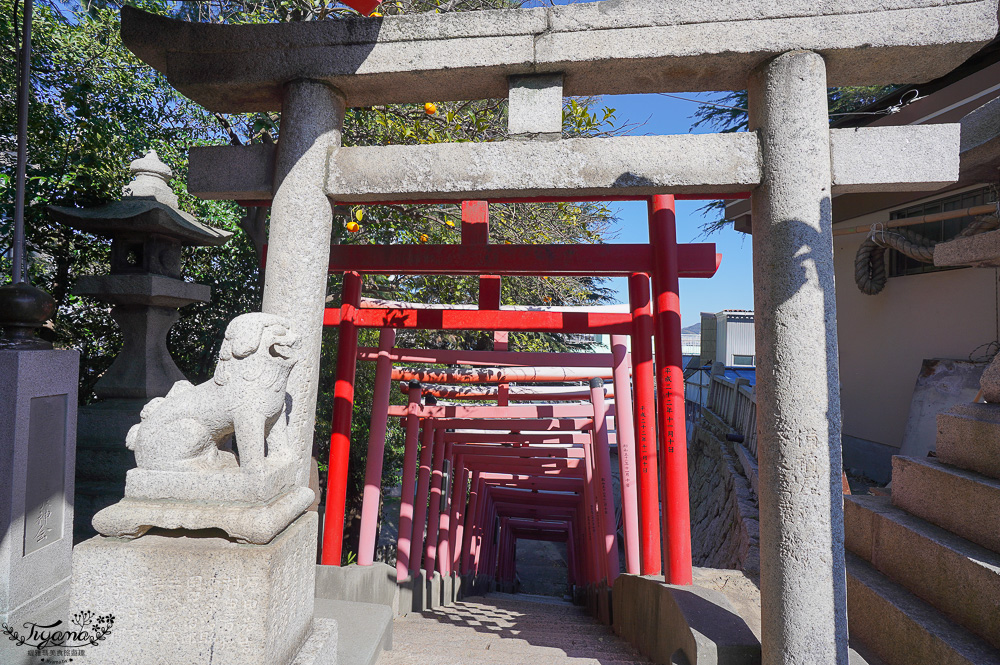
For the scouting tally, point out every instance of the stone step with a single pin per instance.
(506, 630)
(969, 437)
(959, 578)
(364, 630)
(963, 502)
(901, 629)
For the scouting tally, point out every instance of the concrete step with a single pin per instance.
(901, 629)
(963, 502)
(364, 629)
(969, 437)
(959, 578)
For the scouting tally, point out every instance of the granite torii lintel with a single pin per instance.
(607, 47)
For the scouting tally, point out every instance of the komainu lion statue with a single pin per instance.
(184, 430)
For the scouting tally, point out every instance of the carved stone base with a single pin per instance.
(233, 485)
(191, 599)
(256, 523)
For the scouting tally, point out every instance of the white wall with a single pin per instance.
(884, 338)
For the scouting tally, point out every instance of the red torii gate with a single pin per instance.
(661, 262)
(472, 459)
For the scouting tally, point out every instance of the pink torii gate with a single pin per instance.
(661, 262)
(465, 460)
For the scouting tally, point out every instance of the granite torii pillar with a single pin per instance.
(803, 582)
(312, 118)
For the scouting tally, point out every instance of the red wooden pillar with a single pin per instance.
(470, 525)
(480, 520)
(403, 540)
(444, 519)
(476, 231)
(458, 509)
(605, 491)
(340, 437)
(594, 533)
(625, 426)
(504, 563)
(376, 448)
(420, 503)
(434, 509)
(670, 392)
(571, 563)
(488, 565)
(645, 423)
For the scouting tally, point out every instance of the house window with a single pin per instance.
(900, 264)
(742, 360)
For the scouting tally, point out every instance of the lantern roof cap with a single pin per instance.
(148, 206)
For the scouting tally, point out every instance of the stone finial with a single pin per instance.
(151, 180)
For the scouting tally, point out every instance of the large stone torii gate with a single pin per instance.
(785, 53)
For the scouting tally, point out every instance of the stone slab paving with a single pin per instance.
(503, 629)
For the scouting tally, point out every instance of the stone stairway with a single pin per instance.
(506, 629)
(923, 569)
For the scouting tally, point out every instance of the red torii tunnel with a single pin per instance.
(474, 501)
(541, 482)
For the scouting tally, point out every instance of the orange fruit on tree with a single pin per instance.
(353, 227)
(430, 108)
(423, 237)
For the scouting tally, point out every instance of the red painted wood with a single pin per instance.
(376, 448)
(612, 260)
(365, 7)
(527, 452)
(404, 539)
(523, 425)
(343, 407)
(471, 319)
(517, 439)
(492, 358)
(645, 424)
(420, 503)
(670, 392)
(434, 509)
(516, 411)
(499, 375)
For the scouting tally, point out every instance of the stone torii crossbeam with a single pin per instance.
(785, 53)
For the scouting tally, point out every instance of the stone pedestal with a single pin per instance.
(193, 597)
(37, 454)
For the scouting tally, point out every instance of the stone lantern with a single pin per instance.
(148, 233)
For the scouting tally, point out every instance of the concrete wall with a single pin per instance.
(884, 338)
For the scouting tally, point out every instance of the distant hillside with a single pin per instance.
(696, 328)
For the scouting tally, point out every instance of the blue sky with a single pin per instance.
(732, 286)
